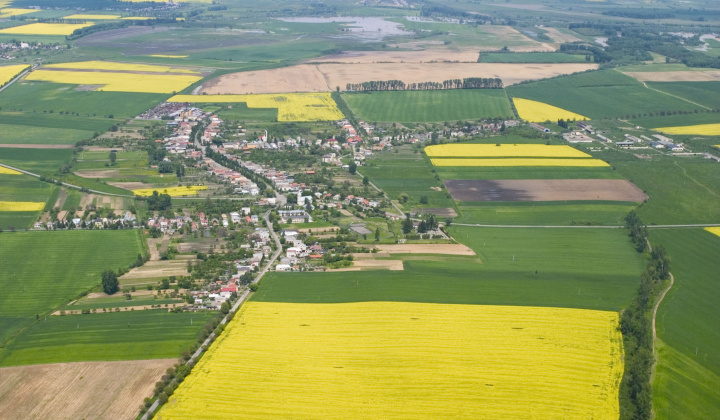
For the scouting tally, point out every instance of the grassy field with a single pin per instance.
(39, 161)
(408, 172)
(598, 270)
(72, 263)
(55, 121)
(681, 191)
(688, 369)
(154, 334)
(53, 98)
(22, 188)
(530, 58)
(526, 172)
(241, 112)
(600, 94)
(543, 213)
(20, 134)
(430, 106)
(677, 120)
(394, 360)
(703, 93)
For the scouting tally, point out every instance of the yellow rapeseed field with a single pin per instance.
(45, 29)
(503, 150)
(118, 82)
(714, 230)
(520, 162)
(116, 66)
(171, 191)
(6, 171)
(534, 111)
(290, 106)
(92, 17)
(138, 18)
(21, 206)
(393, 360)
(6, 13)
(700, 129)
(8, 72)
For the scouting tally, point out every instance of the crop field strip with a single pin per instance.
(171, 191)
(524, 162)
(382, 359)
(545, 190)
(430, 106)
(117, 82)
(120, 66)
(8, 72)
(290, 106)
(688, 347)
(700, 129)
(44, 29)
(534, 111)
(73, 261)
(600, 94)
(470, 150)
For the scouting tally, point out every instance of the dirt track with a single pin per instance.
(326, 77)
(86, 390)
(545, 190)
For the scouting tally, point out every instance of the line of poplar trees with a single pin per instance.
(466, 83)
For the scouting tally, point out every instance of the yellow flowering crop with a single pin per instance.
(714, 230)
(391, 360)
(6, 171)
(115, 66)
(504, 150)
(92, 17)
(534, 111)
(700, 129)
(45, 29)
(290, 106)
(171, 191)
(8, 72)
(6, 13)
(21, 206)
(520, 162)
(118, 82)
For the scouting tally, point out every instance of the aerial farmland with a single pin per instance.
(332, 210)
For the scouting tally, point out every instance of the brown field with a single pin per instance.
(677, 76)
(560, 37)
(326, 77)
(86, 390)
(364, 263)
(157, 269)
(38, 146)
(424, 56)
(99, 173)
(448, 249)
(545, 190)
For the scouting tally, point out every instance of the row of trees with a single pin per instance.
(466, 83)
(636, 328)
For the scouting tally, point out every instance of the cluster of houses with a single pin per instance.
(126, 221)
(242, 184)
(201, 221)
(297, 252)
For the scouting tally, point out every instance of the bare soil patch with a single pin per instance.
(319, 229)
(677, 76)
(62, 196)
(86, 200)
(560, 37)
(38, 146)
(448, 249)
(545, 190)
(303, 78)
(86, 390)
(362, 265)
(326, 77)
(157, 269)
(438, 211)
(99, 173)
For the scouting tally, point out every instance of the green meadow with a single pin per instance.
(600, 94)
(22, 188)
(39, 161)
(430, 106)
(703, 93)
(72, 262)
(532, 57)
(560, 267)
(22, 134)
(543, 213)
(135, 335)
(688, 367)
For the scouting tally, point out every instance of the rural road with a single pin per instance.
(241, 299)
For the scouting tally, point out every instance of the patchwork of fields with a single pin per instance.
(291, 106)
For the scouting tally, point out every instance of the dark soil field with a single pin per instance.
(544, 190)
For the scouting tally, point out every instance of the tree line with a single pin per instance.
(636, 327)
(466, 83)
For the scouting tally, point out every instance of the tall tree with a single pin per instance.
(110, 283)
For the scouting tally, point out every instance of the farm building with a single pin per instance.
(540, 127)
